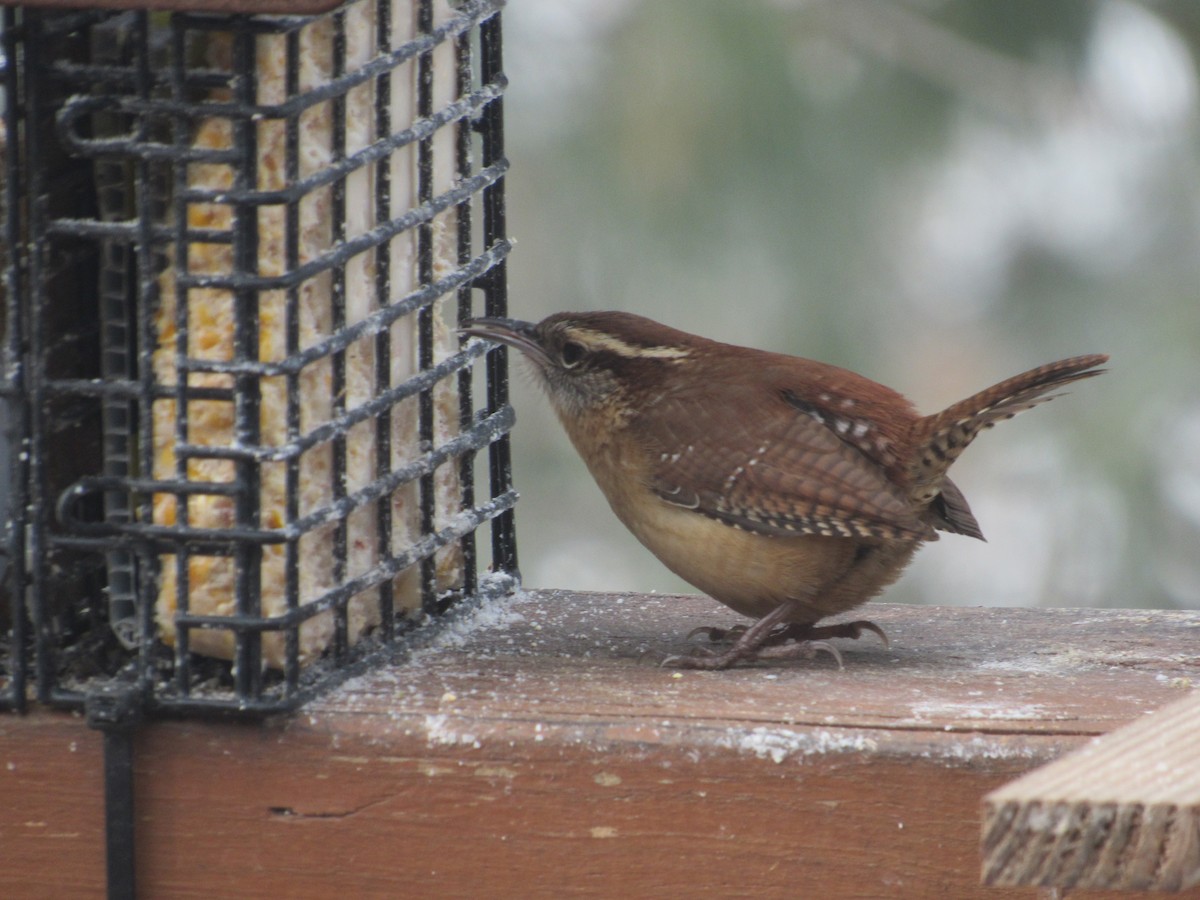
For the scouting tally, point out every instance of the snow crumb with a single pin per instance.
(779, 745)
(1027, 665)
(981, 747)
(438, 731)
(979, 709)
(492, 614)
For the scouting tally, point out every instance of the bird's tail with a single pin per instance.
(940, 438)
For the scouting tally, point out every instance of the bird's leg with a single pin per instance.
(717, 635)
(752, 642)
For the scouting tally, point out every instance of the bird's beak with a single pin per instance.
(512, 332)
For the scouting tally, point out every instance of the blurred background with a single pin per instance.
(935, 194)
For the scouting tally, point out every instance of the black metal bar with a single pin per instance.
(115, 709)
(127, 390)
(491, 64)
(341, 639)
(124, 43)
(463, 137)
(292, 556)
(427, 497)
(148, 258)
(181, 137)
(38, 198)
(383, 339)
(118, 813)
(248, 560)
(15, 373)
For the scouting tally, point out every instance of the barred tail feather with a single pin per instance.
(941, 438)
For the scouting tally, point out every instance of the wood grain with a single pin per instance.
(535, 748)
(1123, 812)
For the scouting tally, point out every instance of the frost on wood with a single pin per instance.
(778, 744)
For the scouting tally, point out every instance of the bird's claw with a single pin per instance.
(703, 658)
(678, 661)
(864, 625)
(801, 650)
(852, 630)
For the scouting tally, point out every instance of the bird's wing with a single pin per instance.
(776, 465)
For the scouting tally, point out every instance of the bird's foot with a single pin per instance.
(704, 659)
(852, 630)
(769, 639)
(790, 632)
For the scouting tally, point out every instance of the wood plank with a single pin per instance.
(1122, 812)
(536, 748)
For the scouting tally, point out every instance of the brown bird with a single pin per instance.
(787, 489)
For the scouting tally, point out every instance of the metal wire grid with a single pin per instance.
(109, 517)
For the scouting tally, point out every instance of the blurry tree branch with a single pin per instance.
(896, 33)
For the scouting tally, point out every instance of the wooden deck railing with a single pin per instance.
(535, 748)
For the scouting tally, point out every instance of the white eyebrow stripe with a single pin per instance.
(600, 341)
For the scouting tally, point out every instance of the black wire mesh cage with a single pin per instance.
(242, 430)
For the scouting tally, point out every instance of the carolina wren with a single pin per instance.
(787, 489)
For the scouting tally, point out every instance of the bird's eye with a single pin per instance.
(571, 353)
